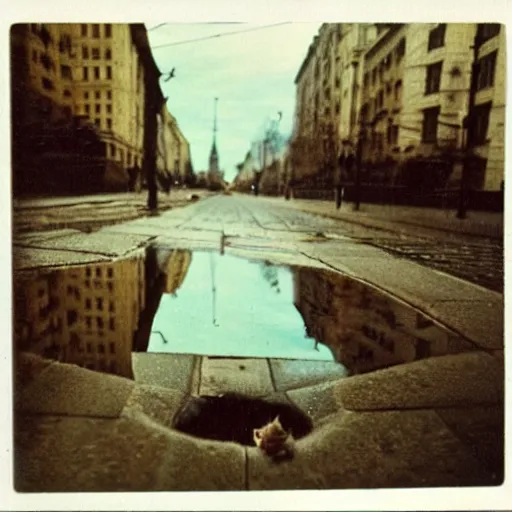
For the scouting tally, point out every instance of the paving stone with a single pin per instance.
(479, 321)
(70, 390)
(35, 237)
(76, 454)
(372, 450)
(172, 371)
(446, 381)
(106, 243)
(28, 258)
(482, 430)
(247, 376)
(317, 401)
(159, 404)
(289, 373)
(410, 281)
(191, 464)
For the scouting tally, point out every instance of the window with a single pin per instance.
(47, 84)
(366, 80)
(95, 52)
(34, 55)
(101, 348)
(97, 122)
(84, 29)
(99, 322)
(111, 307)
(380, 99)
(97, 94)
(487, 66)
(87, 109)
(337, 82)
(109, 109)
(89, 346)
(86, 97)
(400, 50)
(88, 304)
(429, 129)
(109, 95)
(433, 78)
(374, 76)
(67, 93)
(436, 37)
(109, 72)
(109, 123)
(108, 30)
(96, 73)
(65, 71)
(337, 108)
(97, 108)
(96, 30)
(99, 303)
(112, 149)
(85, 73)
(85, 52)
(108, 54)
(481, 123)
(112, 324)
(112, 348)
(487, 31)
(72, 317)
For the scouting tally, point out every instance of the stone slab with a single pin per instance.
(482, 430)
(28, 258)
(317, 401)
(70, 390)
(37, 236)
(27, 367)
(480, 321)
(467, 379)
(414, 283)
(63, 454)
(157, 403)
(107, 244)
(372, 450)
(192, 464)
(290, 374)
(174, 371)
(247, 376)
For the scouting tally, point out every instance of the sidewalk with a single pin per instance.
(483, 224)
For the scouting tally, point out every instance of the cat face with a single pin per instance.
(270, 438)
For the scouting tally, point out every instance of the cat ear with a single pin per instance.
(276, 420)
(257, 433)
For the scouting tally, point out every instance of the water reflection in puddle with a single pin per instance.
(205, 303)
(227, 306)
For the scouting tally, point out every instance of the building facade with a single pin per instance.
(92, 75)
(403, 90)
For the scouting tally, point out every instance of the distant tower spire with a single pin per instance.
(214, 157)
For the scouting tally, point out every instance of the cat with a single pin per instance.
(273, 440)
(236, 417)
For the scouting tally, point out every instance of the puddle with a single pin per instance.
(176, 301)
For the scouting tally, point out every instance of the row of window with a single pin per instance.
(95, 53)
(377, 73)
(102, 365)
(99, 272)
(107, 73)
(101, 348)
(100, 324)
(99, 304)
(480, 123)
(97, 109)
(95, 30)
(97, 95)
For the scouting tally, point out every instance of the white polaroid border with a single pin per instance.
(153, 12)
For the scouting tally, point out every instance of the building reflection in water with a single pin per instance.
(365, 328)
(94, 315)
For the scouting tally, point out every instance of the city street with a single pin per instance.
(430, 418)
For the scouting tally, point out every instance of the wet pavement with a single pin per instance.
(229, 295)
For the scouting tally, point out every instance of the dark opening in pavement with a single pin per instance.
(176, 301)
(234, 417)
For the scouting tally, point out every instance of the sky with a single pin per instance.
(252, 74)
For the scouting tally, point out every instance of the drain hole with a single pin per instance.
(233, 417)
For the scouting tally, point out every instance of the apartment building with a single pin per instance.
(83, 315)
(110, 88)
(326, 95)
(490, 106)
